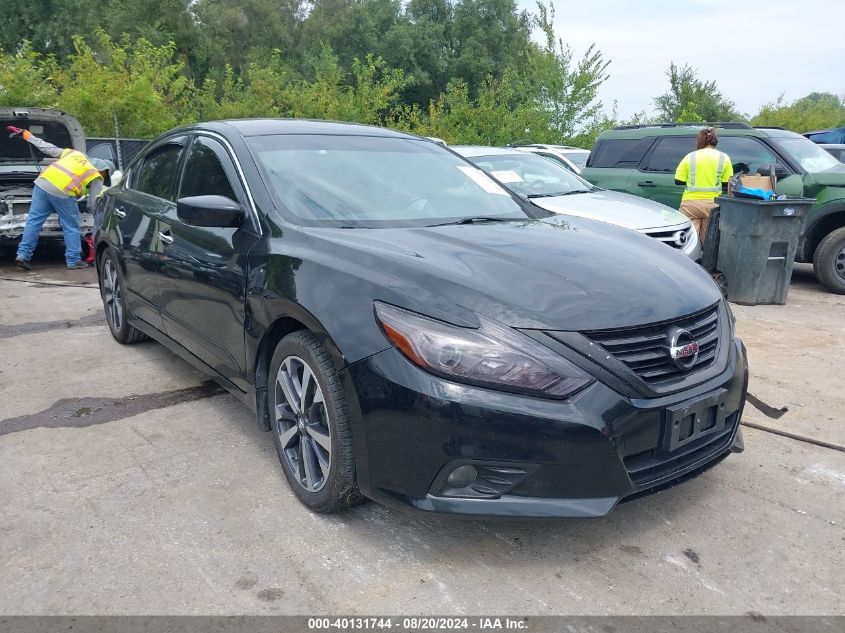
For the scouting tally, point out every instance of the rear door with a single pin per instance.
(654, 178)
(613, 160)
(202, 279)
(138, 204)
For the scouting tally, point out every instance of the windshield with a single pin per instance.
(810, 156)
(531, 175)
(578, 158)
(372, 181)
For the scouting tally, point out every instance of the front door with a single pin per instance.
(202, 278)
(138, 204)
(655, 176)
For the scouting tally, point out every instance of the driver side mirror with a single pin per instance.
(774, 169)
(211, 211)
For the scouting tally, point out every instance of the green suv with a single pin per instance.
(642, 159)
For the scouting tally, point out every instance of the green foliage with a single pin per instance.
(692, 99)
(140, 82)
(565, 93)
(816, 111)
(26, 78)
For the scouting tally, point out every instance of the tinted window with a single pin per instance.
(204, 174)
(619, 152)
(748, 154)
(158, 171)
(668, 153)
(365, 181)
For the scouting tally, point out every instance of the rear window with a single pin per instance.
(627, 152)
(669, 152)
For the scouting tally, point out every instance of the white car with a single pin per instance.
(554, 188)
(573, 158)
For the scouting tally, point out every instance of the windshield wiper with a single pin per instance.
(475, 220)
(531, 196)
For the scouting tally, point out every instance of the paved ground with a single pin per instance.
(130, 486)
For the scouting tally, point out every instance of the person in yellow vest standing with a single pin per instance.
(56, 189)
(705, 174)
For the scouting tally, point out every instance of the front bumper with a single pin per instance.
(12, 225)
(534, 457)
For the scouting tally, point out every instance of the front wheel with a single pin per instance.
(114, 302)
(829, 261)
(310, 424)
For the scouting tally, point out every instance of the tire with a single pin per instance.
(114, 301)
(829, 261)
(315, 445)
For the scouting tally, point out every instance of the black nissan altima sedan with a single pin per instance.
(412, 332)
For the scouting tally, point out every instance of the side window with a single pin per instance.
(668, 153)
(158, 171)
(627, 152)
(747, 153)
(204, 173)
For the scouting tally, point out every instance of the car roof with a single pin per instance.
(642, 131)
(481, 150)
(264, 127)
(832, 145)
(561, 148)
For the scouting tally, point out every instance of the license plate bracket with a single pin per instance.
(693, 419)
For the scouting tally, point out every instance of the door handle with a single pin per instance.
(646, 183)
(165, 237)
(119, 212)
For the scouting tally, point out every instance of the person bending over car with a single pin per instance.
(705, 174)
(57, 188)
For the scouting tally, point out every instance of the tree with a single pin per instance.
(26, 78)
(816, 111)
(142, 83)
(691, 99)
(567, 94)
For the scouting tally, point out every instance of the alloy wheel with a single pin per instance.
(839, 263)
(302, 423)
(112, 296)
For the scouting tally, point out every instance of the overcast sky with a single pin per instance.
(754, 50)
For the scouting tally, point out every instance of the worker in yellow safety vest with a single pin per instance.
(57, 188)
(705, 174)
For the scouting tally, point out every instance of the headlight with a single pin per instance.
(490, 356)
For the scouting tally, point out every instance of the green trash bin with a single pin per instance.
(757, 244)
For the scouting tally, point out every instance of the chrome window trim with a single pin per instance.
(233, 156)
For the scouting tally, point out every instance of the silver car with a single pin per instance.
(20, 164)
(554, 188)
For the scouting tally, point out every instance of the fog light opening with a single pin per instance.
(462, 476)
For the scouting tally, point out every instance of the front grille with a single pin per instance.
(645, 350)
(656, 464)
(676, 238)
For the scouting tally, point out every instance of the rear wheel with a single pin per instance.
(310, 424)
(829, 261)
(114, 302)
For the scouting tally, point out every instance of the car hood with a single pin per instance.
(560, 273)
(59, 128)
(833, 177)
(621, 209)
